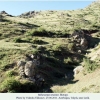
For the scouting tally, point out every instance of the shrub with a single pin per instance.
(0, 34)
(57, 47)
(70, 46)
(37, 32)
(84, 89)
(4, 64)
(40, 32)
(35, 51)
(68, 60)
(37, 41)
(10, 85)
(17, 40)
(89, 65)
(10, 73)
(2, 55)
(5, 20)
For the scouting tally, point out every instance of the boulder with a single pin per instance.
(3, 12)
(84, 43)
(78, 69)
(21, 65)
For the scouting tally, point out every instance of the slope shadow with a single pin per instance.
(28, 25)
(62, 80)
(61, 75)
(93, 41)
(56, 71)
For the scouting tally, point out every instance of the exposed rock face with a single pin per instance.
(3, 12)
(27, 67)
(84, 43)
(21, 65)
(78, 69)
(28, 70)
(77, 34)
(80, 40)
(29, 14)
(79, 51)
(30, 67)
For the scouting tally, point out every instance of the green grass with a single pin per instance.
(48, 34)
(10, 85)
(89, 65)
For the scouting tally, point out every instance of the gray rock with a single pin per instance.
(21, 65)
(78, 69)
(30, 67)
(84, 43)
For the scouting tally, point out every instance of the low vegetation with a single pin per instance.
(56, 37)
(89, 65)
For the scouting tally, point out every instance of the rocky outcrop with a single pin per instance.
(84, 43)
(29, 14)
(21, 65)
(28, 69)
(3, 12)
(80, 40)
(78, 69)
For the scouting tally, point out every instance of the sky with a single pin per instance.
(17, 7)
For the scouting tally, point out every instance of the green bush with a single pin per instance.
(57, 47)
(0, 34)
(2, 55)
(10, 85)
(89, 65)
(35, 51)
(70, 46)
(10, 73)
(17, 40)
(68, 60)
(37, 41)
(37, 32)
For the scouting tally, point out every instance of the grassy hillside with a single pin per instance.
(50, 35)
